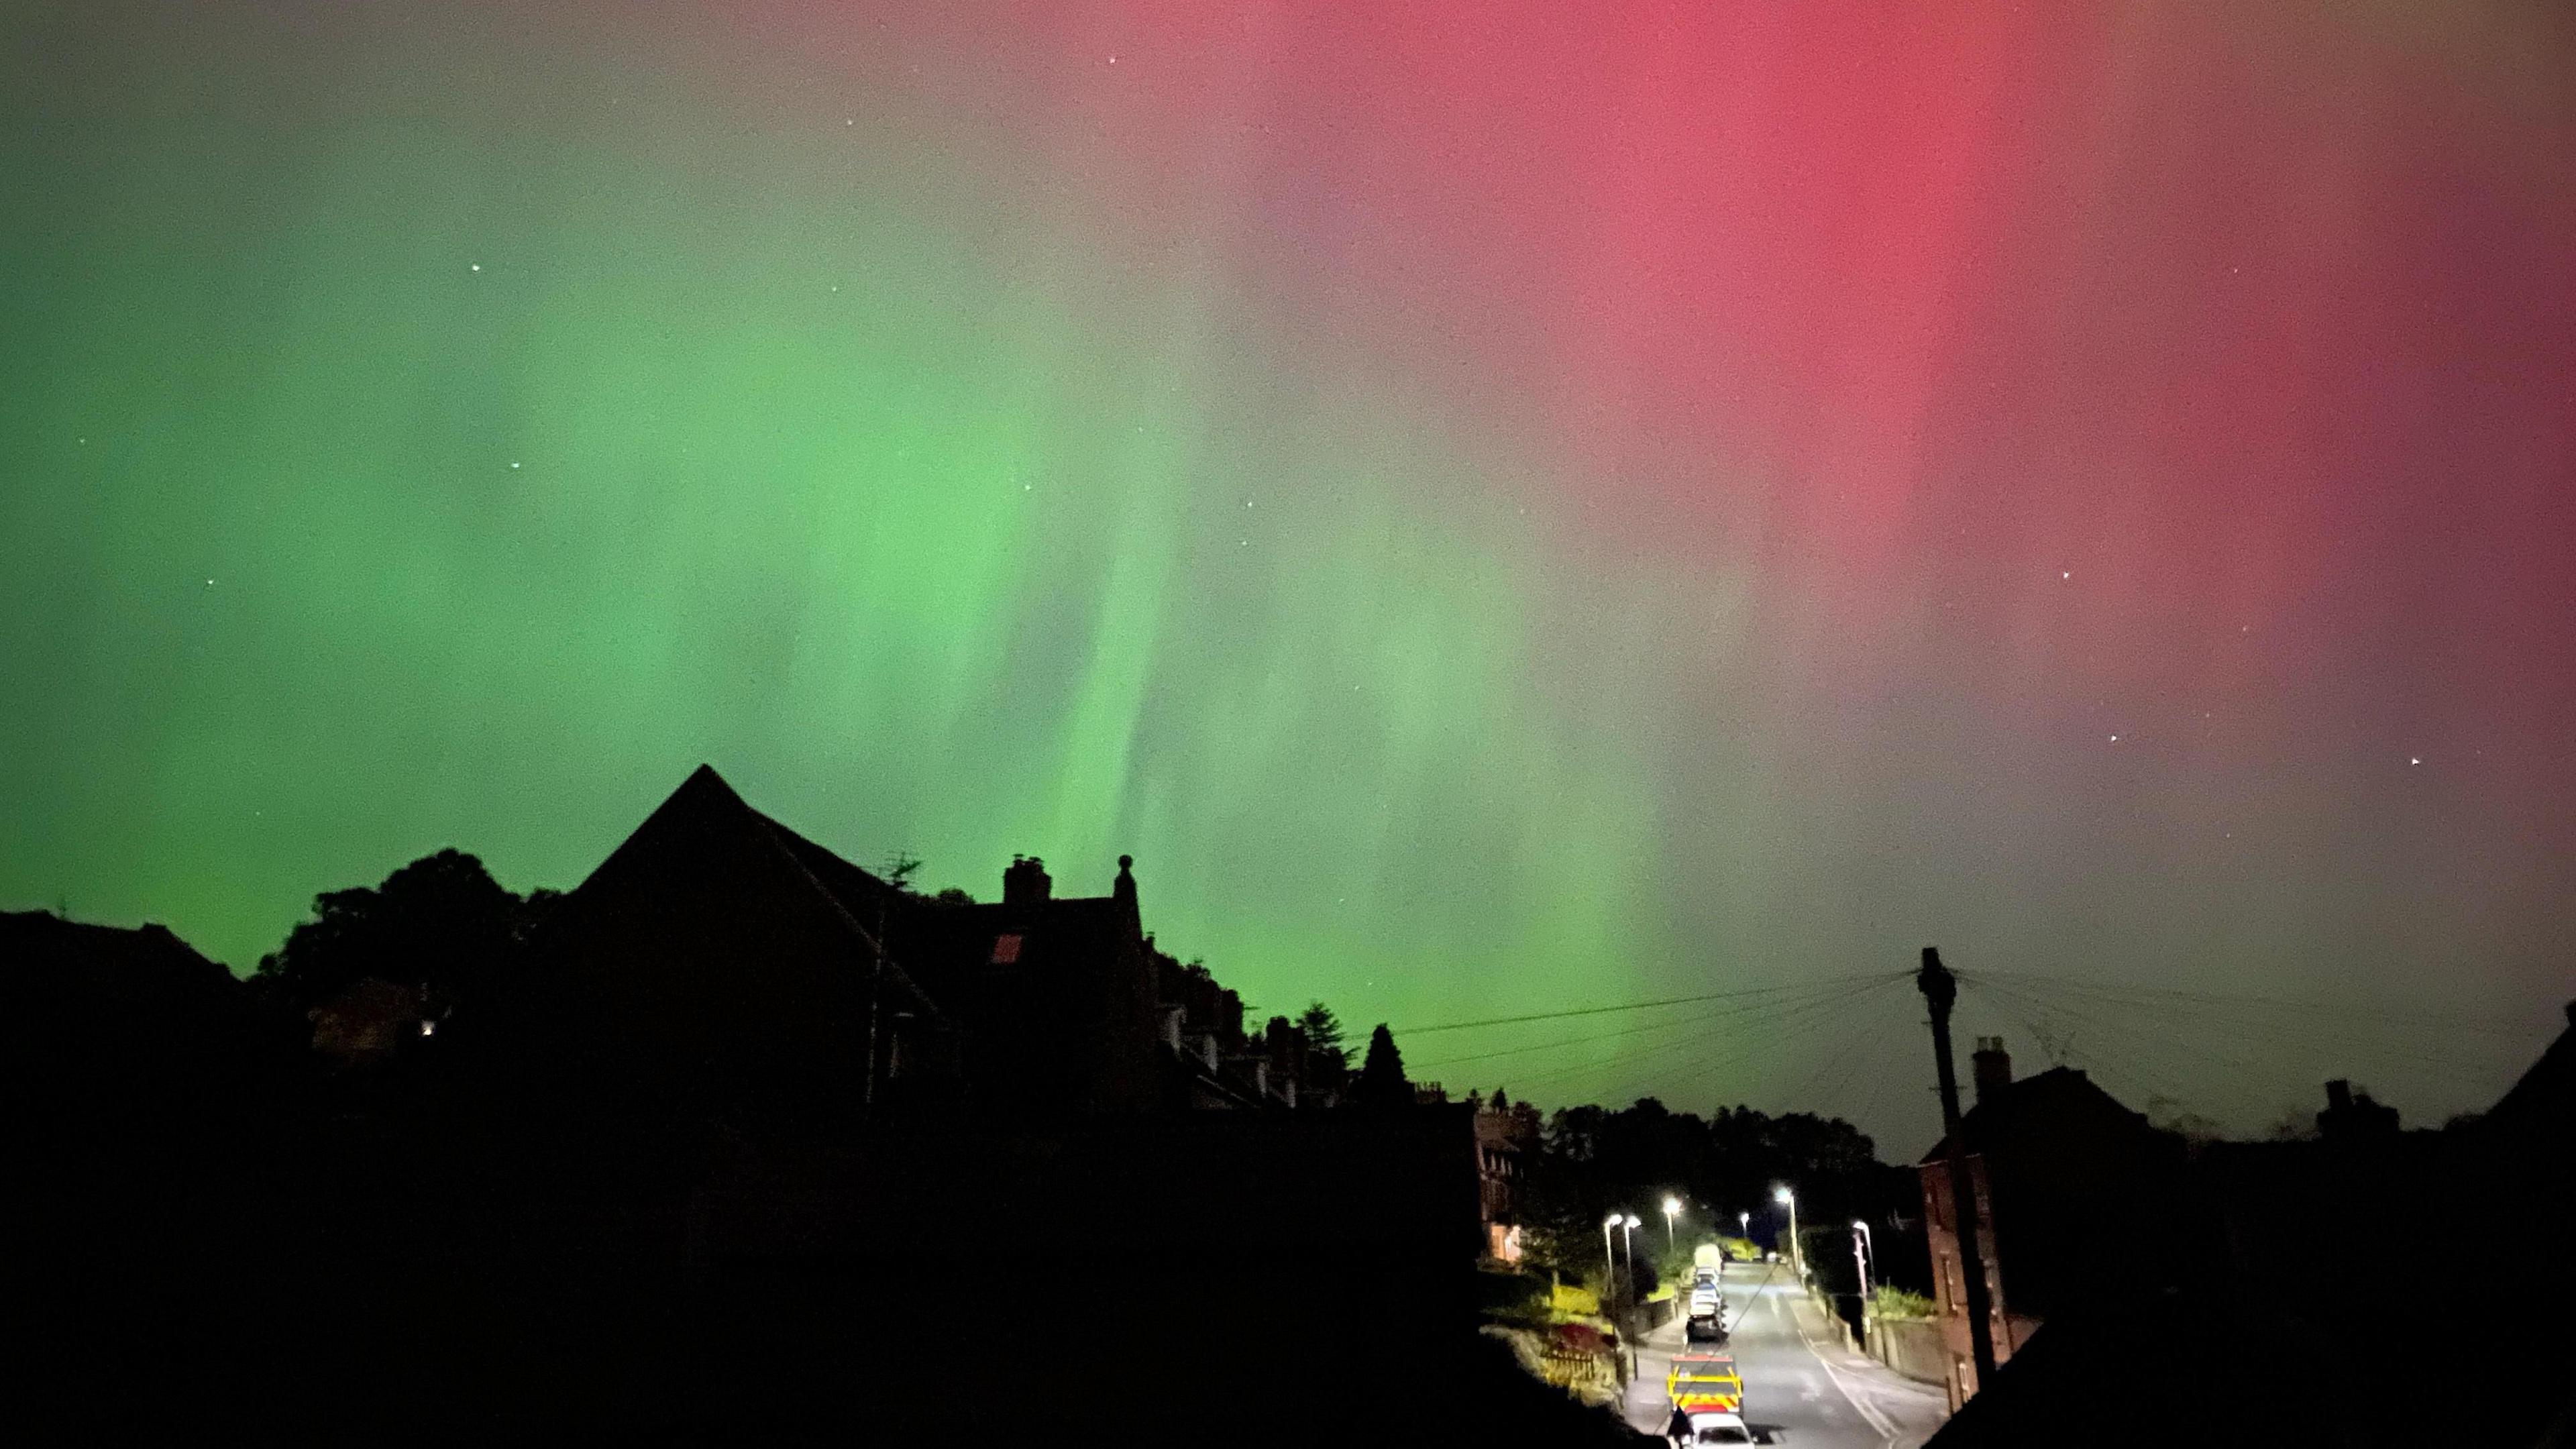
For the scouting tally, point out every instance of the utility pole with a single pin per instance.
(1940, 991)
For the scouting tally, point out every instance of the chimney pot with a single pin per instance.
(1992, 1066)
(1026, 883)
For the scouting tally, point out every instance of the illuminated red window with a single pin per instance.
(1006, 950)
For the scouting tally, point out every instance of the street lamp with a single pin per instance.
(1860, 1234)
(1628, 1225)
(1744, 1224)
(1797, 1259)
(1609, 1256)
(1672, 1205)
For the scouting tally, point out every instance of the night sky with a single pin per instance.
(1496, 506)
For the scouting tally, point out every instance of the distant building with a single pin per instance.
(2073, 1197)
(1505, 1135)
(369, 1020)
(102, 1025)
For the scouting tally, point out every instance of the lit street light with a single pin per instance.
(1628, 1225)
(1672, 1205)
(1611, 1277)
(1797, 1259)
(1609, 1256)
(1861, 1233)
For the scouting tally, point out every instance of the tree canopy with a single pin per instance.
(1382, 1082)
(1323, 1028)
(440, 923)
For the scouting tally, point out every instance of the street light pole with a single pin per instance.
(1609, 1258)
(1797, 1256)
(1610, 1274)
(1862, 1263)
(1628, 1225)
(1672, 1205)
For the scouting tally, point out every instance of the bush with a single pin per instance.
(1888, 1302)
(1512, 1295)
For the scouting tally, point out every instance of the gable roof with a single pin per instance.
(2543, 1099)
(109, 964)
(2044, 1102)
(705, 814)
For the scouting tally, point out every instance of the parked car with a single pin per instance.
(1707, 1319)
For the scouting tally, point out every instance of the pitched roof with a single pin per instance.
(706, 814)
(108, 963)
(84, 1007)
(2043, 1102)
(2544, 1097)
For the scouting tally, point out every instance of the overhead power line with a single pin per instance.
(1410, 1031)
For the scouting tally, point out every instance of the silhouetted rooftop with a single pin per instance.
(2056, 1100)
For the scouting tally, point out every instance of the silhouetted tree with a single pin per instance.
(440, 923)
(1323, 1028)
(1382, 1082)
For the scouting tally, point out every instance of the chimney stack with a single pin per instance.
(1287, 1043)
(2338, 1096)
(1992, 1067)
(1026, 883)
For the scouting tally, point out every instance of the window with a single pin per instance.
(1006, 949)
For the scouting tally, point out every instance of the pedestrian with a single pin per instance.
(1678, 1428)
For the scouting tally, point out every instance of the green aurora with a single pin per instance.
(448, 425)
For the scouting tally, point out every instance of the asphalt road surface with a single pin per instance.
(1801, 1388)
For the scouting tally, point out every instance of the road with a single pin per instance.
(1801, 1389)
